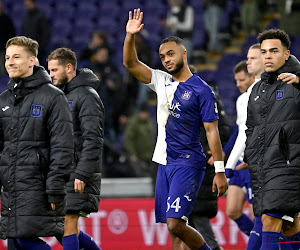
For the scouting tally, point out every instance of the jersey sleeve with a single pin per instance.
(208, 105)
(158, 77)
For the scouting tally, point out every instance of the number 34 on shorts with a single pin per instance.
(175, 204)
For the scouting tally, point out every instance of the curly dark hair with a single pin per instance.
(275, 34)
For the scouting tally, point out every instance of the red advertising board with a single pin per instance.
(129, 224)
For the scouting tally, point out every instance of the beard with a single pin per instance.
(178, 67)
(62, 81)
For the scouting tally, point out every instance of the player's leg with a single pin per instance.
(184, 186)
(255, 237)
(270, 232)
(291, 230)
(70, 240)
(87, 242)
(239, 189)
(32, 243)
(182, 234)
(202, 225)
(235, 201)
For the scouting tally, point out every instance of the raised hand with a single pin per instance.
(134, 24)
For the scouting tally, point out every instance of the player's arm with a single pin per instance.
(215, 146)
(130, 60)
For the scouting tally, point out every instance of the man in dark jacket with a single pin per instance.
(36, 26)
(83, 190)
(36, 149)
(273, 141)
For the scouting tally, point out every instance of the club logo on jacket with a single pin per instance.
(70, 105)
(279, 94)
(36, 110)
(186, 95)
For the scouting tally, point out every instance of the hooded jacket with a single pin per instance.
(36, 156)
(273, 142)
(88, 119)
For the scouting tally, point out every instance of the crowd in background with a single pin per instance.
(205, 26)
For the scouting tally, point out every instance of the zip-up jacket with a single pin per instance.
(36, 156)
(273, 142)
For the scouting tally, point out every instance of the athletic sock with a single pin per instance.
(70, 242)
(294, 241)
(245, 224)
(87, 242)
(36, 244)
(255, 237)
(284, 246)
(270, 241)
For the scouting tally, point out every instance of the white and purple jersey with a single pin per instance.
(181, 108)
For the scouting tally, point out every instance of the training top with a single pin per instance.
(237, 152)
(181, 108)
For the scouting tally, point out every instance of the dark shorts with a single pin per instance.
(176, 191)
(242, 179)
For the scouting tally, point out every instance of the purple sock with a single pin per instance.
(36, 244)
(245, 224)
(87, 242)
(70, 242)
(205, 247)
(255, 237)
(294, 241)
(270, 241)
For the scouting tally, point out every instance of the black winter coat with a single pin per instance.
(36, 156)
(273, 142)
(88, 119)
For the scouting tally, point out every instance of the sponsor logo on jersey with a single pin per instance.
(279, 94)
(186, 95)
(36, 110)
(173, 108)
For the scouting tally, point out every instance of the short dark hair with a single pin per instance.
(64, 56)
(175, 39)
(30, 45)
(275, 34)
(241, 66)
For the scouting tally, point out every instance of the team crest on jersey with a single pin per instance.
(279, 94)
(36, 110)
(70, 105)
(186, 95)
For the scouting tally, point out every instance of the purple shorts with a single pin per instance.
(176, 191)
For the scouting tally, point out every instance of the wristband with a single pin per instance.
(219, 166)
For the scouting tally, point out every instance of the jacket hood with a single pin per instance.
(39, 77)
(84, 77)
(292, 65)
